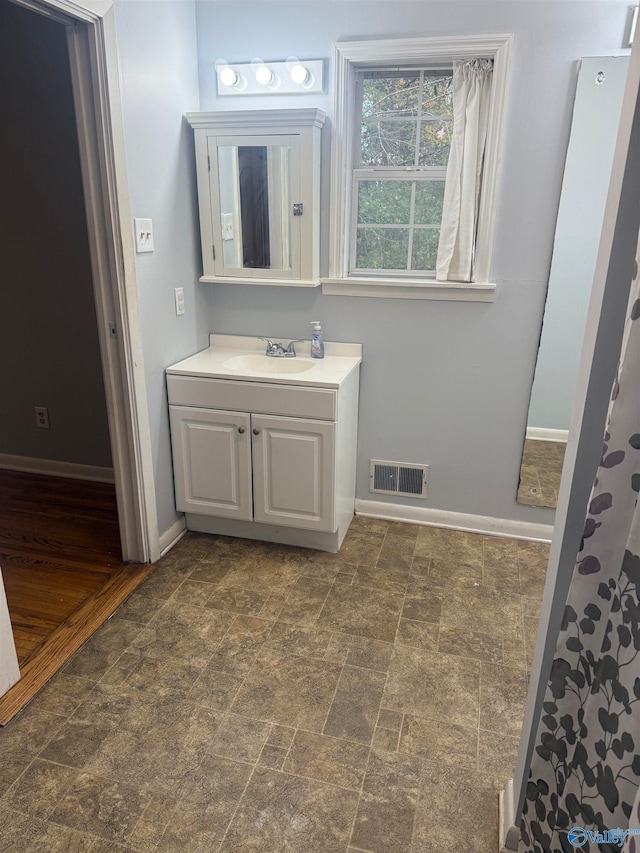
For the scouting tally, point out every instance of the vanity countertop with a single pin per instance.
(243, 359)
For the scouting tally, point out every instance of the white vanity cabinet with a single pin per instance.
(249, 466)
(264, 460)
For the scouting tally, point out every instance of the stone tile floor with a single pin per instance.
(257, 697)
(540, 472)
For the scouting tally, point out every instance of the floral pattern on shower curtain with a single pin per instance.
(585, 770)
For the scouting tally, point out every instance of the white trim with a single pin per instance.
(633, 22)
(93, 60)
(273, 282)
(406, 289)
(53, 468)
(88, 11)
(507, 832)
(34, 6)
(95, 74)
(173, 535)
(347, 56)
(9, 669)
(83, 10)
(455, 520)
(258, 121)
(543, 434)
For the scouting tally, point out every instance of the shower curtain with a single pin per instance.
(584, 780)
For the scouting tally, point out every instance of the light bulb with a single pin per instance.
(228, 76)
(264, 75)
(299, 74)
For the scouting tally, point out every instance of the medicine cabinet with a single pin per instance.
(258, 176)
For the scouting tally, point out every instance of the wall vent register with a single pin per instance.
(398, 478)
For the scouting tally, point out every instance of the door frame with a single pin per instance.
(93, 57)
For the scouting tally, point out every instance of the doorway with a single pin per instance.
(54, 404)
(69, 345)
(93, 62)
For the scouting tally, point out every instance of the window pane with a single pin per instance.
(382, 248)
(425, 248)
(435, 141)
(384, 202)
(429, 198)
(388, 143)
(390, 96)
(437, 96)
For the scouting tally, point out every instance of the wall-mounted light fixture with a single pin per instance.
(264, 75)
(258, 77)
(228, 77)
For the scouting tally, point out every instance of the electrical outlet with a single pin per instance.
(42, 417)
(178, 293)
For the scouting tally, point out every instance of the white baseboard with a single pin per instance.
(456, 520)
(173, 535)
(508, 833)
(542, 434)
(71, 470)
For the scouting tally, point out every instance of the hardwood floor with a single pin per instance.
(63, 574)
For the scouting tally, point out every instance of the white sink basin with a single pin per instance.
(267, 364)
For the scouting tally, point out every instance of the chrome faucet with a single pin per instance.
(278, 350)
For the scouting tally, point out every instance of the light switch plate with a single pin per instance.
(227, 226)
(144, 235)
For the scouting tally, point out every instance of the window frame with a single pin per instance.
(350, 57)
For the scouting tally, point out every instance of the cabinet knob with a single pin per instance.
(241, 430)
(256, 432)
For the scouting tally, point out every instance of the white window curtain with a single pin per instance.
(471, 97)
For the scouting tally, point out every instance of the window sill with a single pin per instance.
(389, 288)
(274, 282)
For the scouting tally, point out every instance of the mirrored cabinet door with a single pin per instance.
(258, 176)
(254, 190)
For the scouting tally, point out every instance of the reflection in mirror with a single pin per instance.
(594, 127)
(255, 206)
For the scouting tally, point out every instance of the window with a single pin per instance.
(391, 137)
(402, 141)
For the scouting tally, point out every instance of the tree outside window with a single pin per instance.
(402, 149)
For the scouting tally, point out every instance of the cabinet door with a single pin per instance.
(254, 183)
(211, 461)
(293, 472)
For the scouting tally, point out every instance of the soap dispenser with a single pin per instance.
(317, 344)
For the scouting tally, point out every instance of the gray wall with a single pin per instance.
(48, 332)
(157, 53)
(596, 116)
(443, 383)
